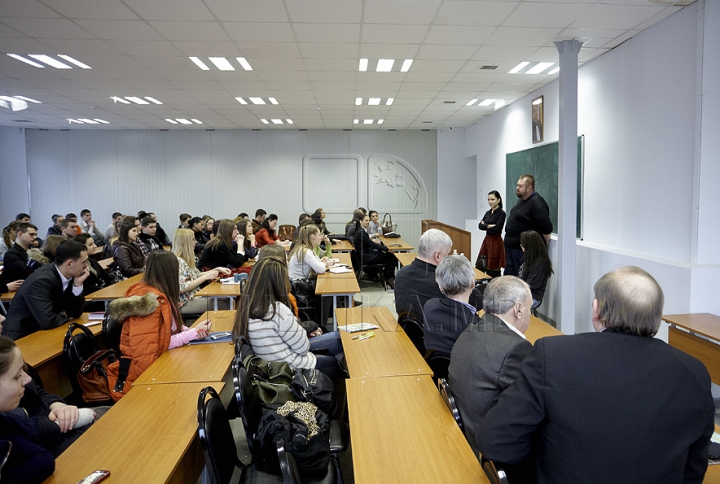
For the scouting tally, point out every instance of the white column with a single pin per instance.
(567, 182)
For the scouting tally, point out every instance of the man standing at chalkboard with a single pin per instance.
(531, 212)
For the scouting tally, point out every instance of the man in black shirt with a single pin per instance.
(531, 212)
(17, 266)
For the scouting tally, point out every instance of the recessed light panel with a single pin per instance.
(539, 68)
(221, 63)
(518, 67)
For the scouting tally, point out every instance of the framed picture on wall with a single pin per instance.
(538, 123)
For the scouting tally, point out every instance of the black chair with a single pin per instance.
(111, 330)
(288, 467)
(438, 363)
(216, 438)
(413, 327)
(371, 270)
(449, 399)
(494, 474)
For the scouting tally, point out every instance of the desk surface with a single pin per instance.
(386, 354)
(116, 291)
(396, 245)
(379, 316)
(7, 296)
(149, 436)
(44, 345)
(346, 283)
(705, 324)
(343, 246)
(218, 289)
(194, 363)
(406, 258)
(540, 329)
(401, 431)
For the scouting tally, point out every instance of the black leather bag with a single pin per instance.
(314, 386)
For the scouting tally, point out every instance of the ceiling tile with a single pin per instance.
(47, 28)
(546, 14)
(91, 9)
(259, 31)
(400, 11)
(502, 52)
(136, 47)
(615, 16)
(389, 51)
(474, 13)
(325, 11)
(446, 52)
(329, 50)
(327, 32)
(526, 36)
(393, 34)
(190, 31)
(120, 29)
(458, 35)
(26, 8)
(179, 10)
(254, 11)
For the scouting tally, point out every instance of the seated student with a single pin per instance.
(74, 218)
(197, 225)
(184, 221)
(487, 356)
(264, 317)
(266, 235)
(245, 228)
(56, 227)
(301, 219)
(191, 278)
(27, 462)
(69, 227)
(8, 238)
(151, 322)
(128, 255)
(160, 233)
(536, 267)
(447, 317)
(303, 261)
(87, 224)
(98, 277)
(148, 229)
(18, 263)
(209, 224)
(219, 251)
(370, 252)
(358, 214)
(52, 295)
(25, 219)
(110, 230)
(374, 227)
(260, 215)
(50, 246)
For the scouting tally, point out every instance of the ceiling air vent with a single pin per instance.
(21, 120)
(449, 102)
(487, 68)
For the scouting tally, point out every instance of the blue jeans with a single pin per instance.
(513, 261)
(329, 363)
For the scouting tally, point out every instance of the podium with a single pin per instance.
(462, 239)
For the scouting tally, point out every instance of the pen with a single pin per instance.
(362, 336)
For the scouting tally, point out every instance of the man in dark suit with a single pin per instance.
(16, 258)
(486, 357)
(52, 295)
(613, 406)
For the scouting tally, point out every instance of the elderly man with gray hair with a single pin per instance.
(415, 283)
(486, 357)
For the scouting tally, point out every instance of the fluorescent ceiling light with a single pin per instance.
(256, 100)
(358, 101)
(356, 121)
(196, 121)
(241, 100)
(389, 101)
(518, 67)
(222, 63)
(76, 121)
(200, 63)
(136, 100)
(273, 100)
(385, 65)
(554, 71)
(27, 61)
(363, 65)
(172, 121)
(487, 102)
(406, 65)
(374, 101)
(88, 121)
(539, 67)
(152, 100)
(289, 121)
(499, 103)
(265, 121)
(244, 63)
(276, 121)
(50, 61)
(28, 99)
(183, 121)
(119, 100)
(102, 121)
(471, 102)
(381, 121)
(367, 121)
(12, 103)
(74, 61)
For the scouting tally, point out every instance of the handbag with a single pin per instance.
(269, 380)
(92, 376)
(387, 226)
(313, 386)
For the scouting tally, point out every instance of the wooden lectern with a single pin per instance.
(461, 238)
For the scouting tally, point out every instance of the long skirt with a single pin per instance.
(494, 249)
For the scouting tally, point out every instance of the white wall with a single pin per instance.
(223, 173)
(14, 197)
(637, 111)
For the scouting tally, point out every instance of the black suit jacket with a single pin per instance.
(15, 264)
(445, 320)
(603, 408)
(40, 303)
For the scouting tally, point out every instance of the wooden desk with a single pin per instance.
(149, 436)
(386, 354)
(540, 329)
(379, 316)
(343, 246)
(208, 363)
(43, 350)
(406, 258)
(217, 290)
(338, 285)
(8, 296)
(396, 245)
(105, 263)
(116, 291)
(697, 335)
(401, 431)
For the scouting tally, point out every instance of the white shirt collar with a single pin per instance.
(513, 328)
(65, 280)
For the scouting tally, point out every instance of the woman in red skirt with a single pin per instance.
(493, 248)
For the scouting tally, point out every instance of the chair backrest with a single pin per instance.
(216, 437)
(112, 328)
(494, 475)
(240, 379)
(79, 345)
(286, 232)
(413, 327)
(449, 399)
(439, 365)
(288, 466)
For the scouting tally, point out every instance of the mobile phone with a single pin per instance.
(95, 476)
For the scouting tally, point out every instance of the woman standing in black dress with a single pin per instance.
(493, 248)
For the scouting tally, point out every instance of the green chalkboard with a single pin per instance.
(542, 163)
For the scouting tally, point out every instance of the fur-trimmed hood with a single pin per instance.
(37, 255)
(123, 308)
